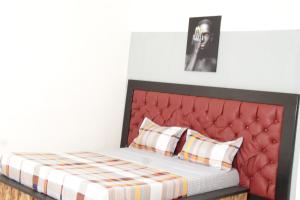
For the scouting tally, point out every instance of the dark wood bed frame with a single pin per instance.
(286, 154)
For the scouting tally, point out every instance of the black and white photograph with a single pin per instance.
(202, 44)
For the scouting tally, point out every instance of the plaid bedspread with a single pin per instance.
(91, 176)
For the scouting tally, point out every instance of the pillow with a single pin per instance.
(156, 138)
(201, 149)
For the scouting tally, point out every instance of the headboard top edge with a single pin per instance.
(259, 96)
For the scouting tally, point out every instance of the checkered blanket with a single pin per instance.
(91, 176)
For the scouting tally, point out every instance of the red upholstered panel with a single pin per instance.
(259, 125)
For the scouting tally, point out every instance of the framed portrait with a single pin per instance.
(203, 44)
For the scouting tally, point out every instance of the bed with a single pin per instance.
(266, 121)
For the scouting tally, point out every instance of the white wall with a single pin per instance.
(160, 56)
(172, 15)
(62, 74)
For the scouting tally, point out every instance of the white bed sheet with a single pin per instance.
(200, 178)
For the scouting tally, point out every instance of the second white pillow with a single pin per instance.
(202, 149)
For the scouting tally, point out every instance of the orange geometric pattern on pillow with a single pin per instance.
(201, 149)
(156, 138)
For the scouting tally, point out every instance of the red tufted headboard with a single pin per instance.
(222, 114)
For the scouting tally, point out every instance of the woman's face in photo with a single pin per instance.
(205, 35)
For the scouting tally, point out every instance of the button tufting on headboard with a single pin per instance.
(259, 124)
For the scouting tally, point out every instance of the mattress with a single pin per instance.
(200, 178)
(114, 174)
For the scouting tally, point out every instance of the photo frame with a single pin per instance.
(203, 44)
